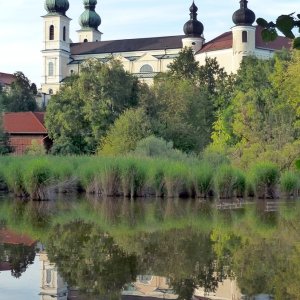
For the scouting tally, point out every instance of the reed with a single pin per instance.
(37, 175)
(202, 180)
(229, 182)
(290, 183)
(263, 179)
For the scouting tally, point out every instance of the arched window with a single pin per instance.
(85, 41)
(50, 92)
(64, 33)
(50, 69)
(244, 37)
(48, 276)
(51, 33)
(146, 69)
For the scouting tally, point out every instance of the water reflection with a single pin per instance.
(166, 249)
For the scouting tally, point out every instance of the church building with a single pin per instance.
(144, 57)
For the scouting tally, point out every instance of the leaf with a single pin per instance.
(269, 35)
(285, 24)
(262, 22)
(296, 43)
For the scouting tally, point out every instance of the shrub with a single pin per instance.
(153, 146)
(13, 177)
(263, 178)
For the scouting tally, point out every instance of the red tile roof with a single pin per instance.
(10, 237)
(6, 79)
(224, 41)
(24, 122)
(278, 44)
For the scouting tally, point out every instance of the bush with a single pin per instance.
(153, 146)
(263, 179)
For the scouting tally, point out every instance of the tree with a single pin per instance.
(81, 113)
(285, 24)
(20, 97)
(182, 112)
(125, 133)
(261, 123)
(184, 66)
(4, 138)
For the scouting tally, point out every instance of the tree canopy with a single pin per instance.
(20, 96)
(88, 104)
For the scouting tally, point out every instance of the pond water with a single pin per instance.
(149, 249)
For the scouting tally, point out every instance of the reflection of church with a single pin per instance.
(52, 285)
(144, 57)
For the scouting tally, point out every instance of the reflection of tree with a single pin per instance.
(183, 255)
(90, 259)
(18, 256)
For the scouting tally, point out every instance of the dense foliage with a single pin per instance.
(20, 96)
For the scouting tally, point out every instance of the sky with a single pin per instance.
(21, 24)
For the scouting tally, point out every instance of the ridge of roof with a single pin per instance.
(24, 122)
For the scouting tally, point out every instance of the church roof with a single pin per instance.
(24, 122)
(128, 45)
(7, 79)
(224, 41)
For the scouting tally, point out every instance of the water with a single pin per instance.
(166, 249)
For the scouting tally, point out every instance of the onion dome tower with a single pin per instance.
(243, 33)
(244, 15)
(89, 22)
(193, 30)
(57, 6)
(56, 49)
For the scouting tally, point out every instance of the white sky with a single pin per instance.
(21, 25)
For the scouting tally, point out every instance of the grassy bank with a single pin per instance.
(40, 178)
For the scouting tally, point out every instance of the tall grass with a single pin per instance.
(290, 183)
(263, 179)
(229, 182)
(40, 178)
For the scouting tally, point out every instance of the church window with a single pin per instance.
(50, 92)
(64, 33)
(244, 37)
(48, 276)
(85, 41)
(50, 69)
(146, 69)
(51, 33)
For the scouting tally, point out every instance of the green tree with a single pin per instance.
(20, 96)
(184, 66)
(259, 123)
(81, 113)
(4, 138)
(183, 113)
(123, 136)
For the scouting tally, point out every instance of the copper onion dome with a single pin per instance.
(193, 27)
(57, 6)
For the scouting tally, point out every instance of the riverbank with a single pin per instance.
(40, 178)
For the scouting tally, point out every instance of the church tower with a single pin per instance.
(243, 34)
(193, 30)
(56, 45)
(89, 22)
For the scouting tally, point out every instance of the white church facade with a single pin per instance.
(144, 57)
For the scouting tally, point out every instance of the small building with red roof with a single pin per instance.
(24, 128)
(6, 80)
